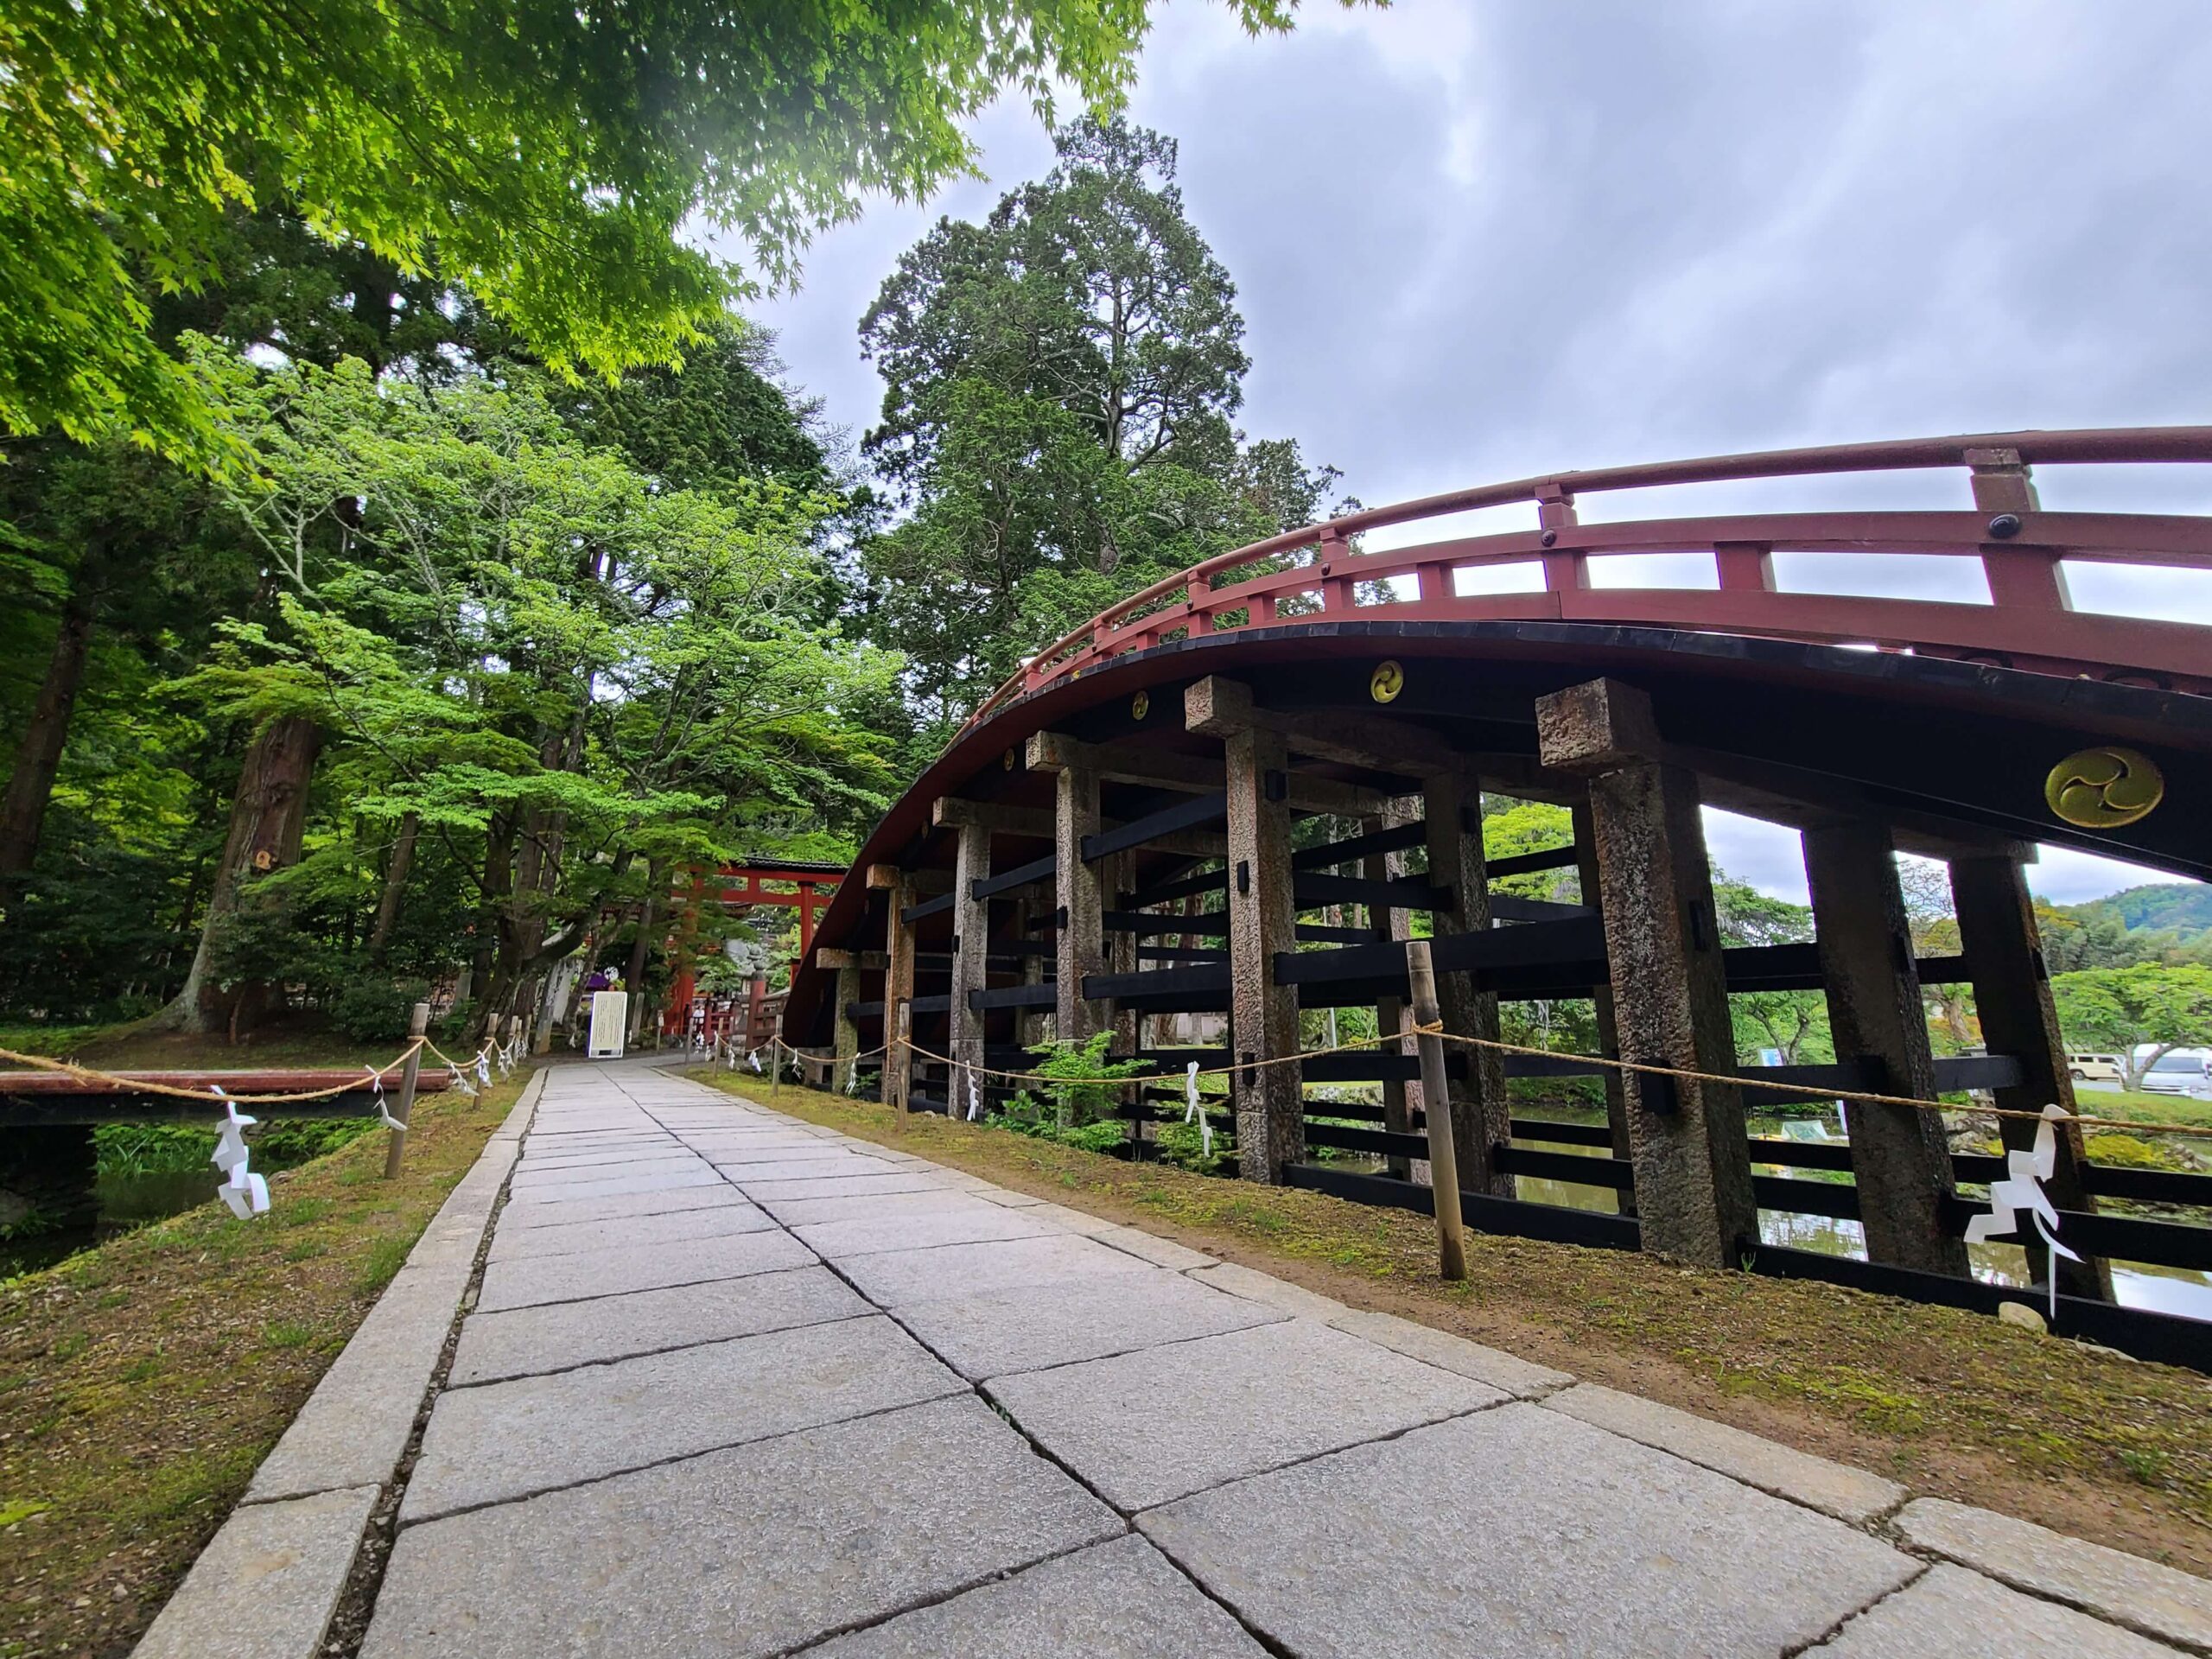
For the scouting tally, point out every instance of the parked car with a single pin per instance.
(2094, 1068)
(2184, 1072)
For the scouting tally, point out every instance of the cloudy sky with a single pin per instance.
(1475, 241)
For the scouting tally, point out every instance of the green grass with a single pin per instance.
(2174, 1110)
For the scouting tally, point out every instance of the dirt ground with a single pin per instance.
(1951, 1403)
(141, 1383)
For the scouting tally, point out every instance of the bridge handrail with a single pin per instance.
(2120, 538)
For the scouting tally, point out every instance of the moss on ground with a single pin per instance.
(1951, 1402)
(141, 1383)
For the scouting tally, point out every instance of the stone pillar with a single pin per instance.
(1116, 875)
(1481, 1117)
(1080, 940)
(1670, 987)
(48, 1176)
(1389, 926)
(1898, 1156)
(2012, 996)
(971, 937)
(1263, 919)
(1609, 1037)
(898, 980)
(1028, 1023)
(846, 1029)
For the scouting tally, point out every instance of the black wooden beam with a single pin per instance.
(1021, 875)
(1396, 839)
(1184, 814)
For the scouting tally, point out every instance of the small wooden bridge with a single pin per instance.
(1116, 837)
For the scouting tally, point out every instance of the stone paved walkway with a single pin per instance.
(738, 1385)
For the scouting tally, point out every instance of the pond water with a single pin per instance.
(2166, 1290)
(126, 1201)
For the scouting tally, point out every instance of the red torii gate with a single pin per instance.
(798, 885)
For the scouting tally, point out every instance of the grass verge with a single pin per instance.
(1950, 1403)
(141, 1383)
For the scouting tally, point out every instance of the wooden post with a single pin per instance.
(418, 1023)
(1443, 1158)
(899, 1065)
(1387, 925)
(2012, 997)
(1609, 1036)
(1479, 1104)
(971, 937)
(1670, 986)
(1899, 1156)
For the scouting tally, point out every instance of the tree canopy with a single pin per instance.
(550, 158)
(1056, 431)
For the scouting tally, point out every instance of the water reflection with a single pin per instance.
(2166, 1290)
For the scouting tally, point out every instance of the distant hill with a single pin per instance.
(2185, 908)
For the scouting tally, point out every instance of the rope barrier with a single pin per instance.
(149, 1086)
(1859, 1095)
(1639, 1068)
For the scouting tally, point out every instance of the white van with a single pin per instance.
(2181, 1072)
(2094, 1068)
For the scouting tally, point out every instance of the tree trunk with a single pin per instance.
(491, 925)
(635, 982)
(30, 784)
(268, 815)
(395, 887)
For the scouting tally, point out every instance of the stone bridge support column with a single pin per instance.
(845, 1030)
(1609, 1036)
(1481, 1114)
(1263, 920)
(1390, 926)
(972, 938)
(897, 887)
(1080, 935)
(2012, 996)
(1117, 875)
(1670, 987)
(1899, 1156)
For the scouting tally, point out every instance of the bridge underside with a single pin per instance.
(1132, 842)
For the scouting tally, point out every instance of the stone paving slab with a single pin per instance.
(1275, 1292)
(893, 1281)
(795, 1165)
(1238, 1403)
(804, 1212)
(520, 1283)
(868, 1236)
(671, 1227)
(741, 1553)
(1521, 1531)
(1032, 1326)
(577, 1211)
(660, 1149)
(1119, 1600)
(267, 1584)
(558, 1336)
(531, 1183)
(1149, 1246)
(1953, 1614)
(2173, 1604)
(699, 1173)
(1835, 1489)
(1451, 1353)
(506, 1440)
(845, 1186)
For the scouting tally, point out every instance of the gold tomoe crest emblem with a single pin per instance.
(1387, 680)
(2104, 788)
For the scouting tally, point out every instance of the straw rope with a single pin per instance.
(148, 1086)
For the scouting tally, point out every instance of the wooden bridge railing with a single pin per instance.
(2029, 621)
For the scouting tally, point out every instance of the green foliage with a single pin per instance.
(2138, 1013)
(125, 1149)
(1060, 381)
(547, 159)
(1076, 1079)
(376, 1009)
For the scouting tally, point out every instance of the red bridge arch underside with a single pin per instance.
(1930, 712)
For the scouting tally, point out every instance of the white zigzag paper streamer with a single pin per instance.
(2023, 1189)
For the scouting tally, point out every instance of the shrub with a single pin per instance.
(375, 1009)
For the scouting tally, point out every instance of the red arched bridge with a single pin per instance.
(1190, 820)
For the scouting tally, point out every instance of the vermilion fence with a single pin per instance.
(1318, 574)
